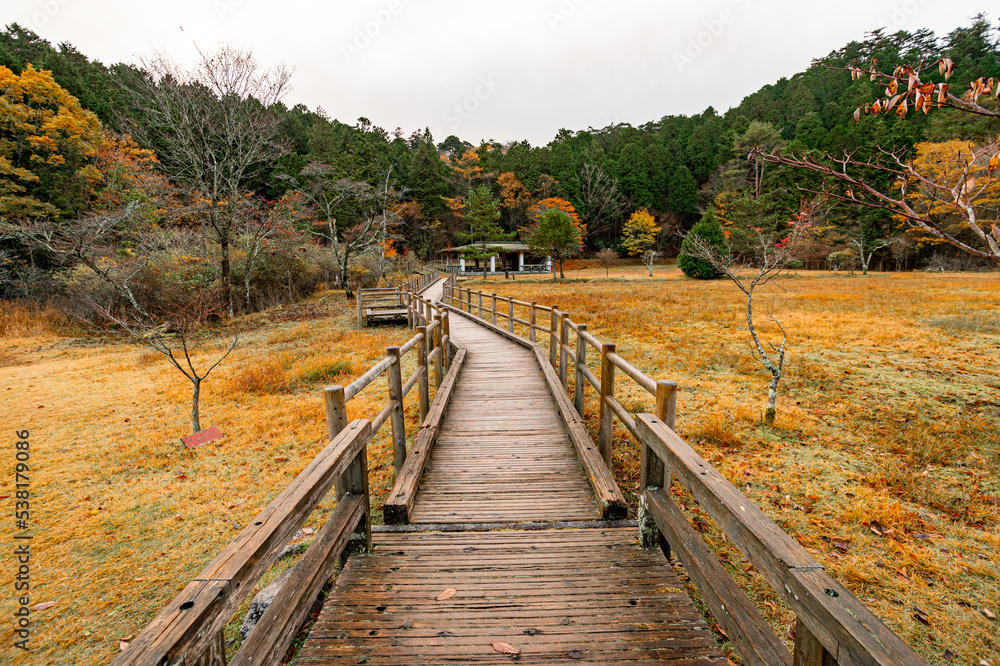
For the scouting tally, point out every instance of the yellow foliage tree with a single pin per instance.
(47, 141)
(639, 238)
(963, 169)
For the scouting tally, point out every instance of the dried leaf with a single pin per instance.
(43, 606)
(902, 109)
(946, 66)
(921, 619)
(122, 645)
(892, 89)
(989, 614)
(996, 232)
(774, 609)
(995, 163)
(857, 115)
(447, 594)
(505, 648)
(893, 102)
(942, 94)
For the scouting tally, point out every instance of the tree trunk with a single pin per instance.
(772, 398)
(348, 293)
(195, 396)
(561, 274)
(227, 287)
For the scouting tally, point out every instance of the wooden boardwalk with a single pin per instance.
(560, 595)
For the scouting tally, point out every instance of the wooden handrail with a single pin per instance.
(189, 629)
(827, 612)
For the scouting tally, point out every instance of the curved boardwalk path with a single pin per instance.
(560, 595)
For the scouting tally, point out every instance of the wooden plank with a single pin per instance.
(742, 623)
(845, 626)
(186, 627)
(274, 632)
(384, 608)
(404, 491)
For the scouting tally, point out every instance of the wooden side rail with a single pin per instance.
(189, 630)
(391, 300)
(400, 502)
(430, 348)
(833, 627)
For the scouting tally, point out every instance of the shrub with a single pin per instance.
(709, 230)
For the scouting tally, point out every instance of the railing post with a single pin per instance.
(480, 304)
(554, 338)
(361, 317)
(607, 415)
(355, 481)
(468, 298)
(653, 473)
(493, 309)
(808, 651)
(336, 421)
(563, 356)
(409, 310)
(580, 388)
(438, 360)
(532, 319)
(398, 422)
(446, 339)
(423, 386)
(510, 313)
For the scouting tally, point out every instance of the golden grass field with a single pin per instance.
(888, 413)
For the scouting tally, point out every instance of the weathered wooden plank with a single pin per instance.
(274, 632)
(845, 626)
(186, 627)
(743, 624)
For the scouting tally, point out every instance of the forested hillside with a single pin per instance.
(334, 199)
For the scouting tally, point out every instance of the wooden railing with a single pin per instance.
(391, 299)
(832, 625)
(190, 629)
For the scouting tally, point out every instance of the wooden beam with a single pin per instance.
(396, 510)
(274, 632)
(186, 628)
(580, 387)
(746, 628)
(607, 427)
(844, 626)
(398, 420)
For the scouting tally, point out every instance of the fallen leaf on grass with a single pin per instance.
(447, 594)
(988, 613)
(122, 645)
(921, 619)
(49, 604)
(505, 648)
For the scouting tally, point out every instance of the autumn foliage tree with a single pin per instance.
(947, 196)
(639, 238)
(47, 145)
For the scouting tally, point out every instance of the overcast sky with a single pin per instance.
(516, 69)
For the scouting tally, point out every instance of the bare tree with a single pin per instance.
(765, 255)
(607, 258)
(179, 338)
(868, 248)
(602, 203)
(115, 246)
(214, 130)
(921, 194)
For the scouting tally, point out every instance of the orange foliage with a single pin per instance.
(554, 202)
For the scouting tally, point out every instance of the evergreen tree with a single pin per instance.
(710, 231)
(483, 212)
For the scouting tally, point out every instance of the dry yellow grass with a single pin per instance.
(888, 413)
(122, 515)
